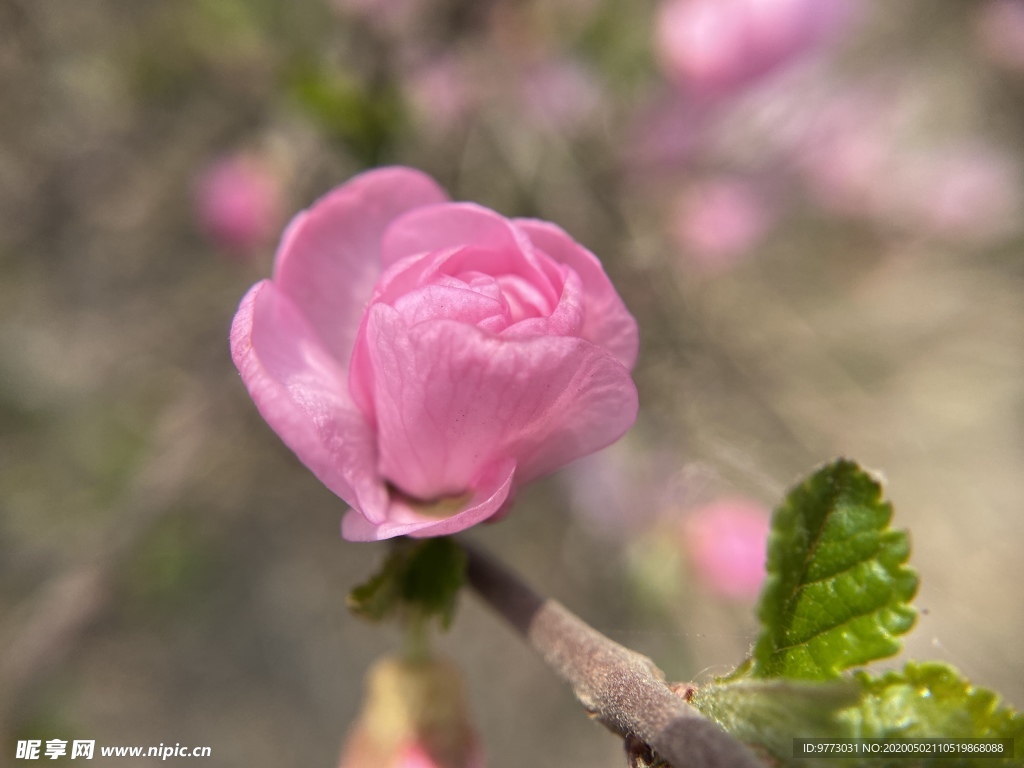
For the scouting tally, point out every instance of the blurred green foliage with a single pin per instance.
(364, 120)
(171, 567)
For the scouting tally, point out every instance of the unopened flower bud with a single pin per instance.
(415, 715)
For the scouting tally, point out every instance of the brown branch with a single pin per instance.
(621, 689)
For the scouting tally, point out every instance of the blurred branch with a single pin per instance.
(621, 689)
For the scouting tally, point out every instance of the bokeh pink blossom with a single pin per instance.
(238, 202)
(714, 47)
(727, 544)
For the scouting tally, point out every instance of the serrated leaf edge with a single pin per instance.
(904, 578)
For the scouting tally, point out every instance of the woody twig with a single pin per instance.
(621, 689)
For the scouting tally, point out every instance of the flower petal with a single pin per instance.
(492, 492)
(329, 256)
(299, 389)
(466, 230)
(607, 322)
(565, 320)
(450, 225)
(451, 302)
(452, 400)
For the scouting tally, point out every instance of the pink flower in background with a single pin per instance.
(664, 136)
(414, 715)
(1001, 33)
(415, 756)
(965, 191)
(441, 93)
(360, 754)
(238, 203)
(424, 358)
(713, 47)
(962, 193)
(720, 221)
(846, 147)
(727, 543)
(561, 93)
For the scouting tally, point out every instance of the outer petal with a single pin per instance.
(452, 400)
(300, 390)
(329, 256)
(493, 490)
(607, 322)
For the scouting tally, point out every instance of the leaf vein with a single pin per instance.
(873, 610)
(841, 571)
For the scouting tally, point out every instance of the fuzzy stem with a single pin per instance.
(621, 689)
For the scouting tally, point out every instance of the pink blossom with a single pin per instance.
(562, 94)
(716, 46)
(845, 147)
(441, 93)
(1001, 33)
(415, 756)
(727, 542)
(362, 752)
(962, 193)
(664, 136)
(424, 358)
(414, 715)
(720, 221)
(238, 203)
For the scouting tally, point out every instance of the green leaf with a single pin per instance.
(420, 578)
(837, 588)
(925, 700)
(769, 713)
(931, 699)
(380, 596)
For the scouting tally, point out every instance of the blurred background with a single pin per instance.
(813, 207)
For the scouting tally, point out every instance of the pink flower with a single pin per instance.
(964, 193)
(716, 46)
(727, 542)
(721, 221)
(362, 751)
(441, 93)
(414, 715)
(847, 145)
(561, 94)
(424, 358)
(664, 136)
(238, 203)
(415, 756)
